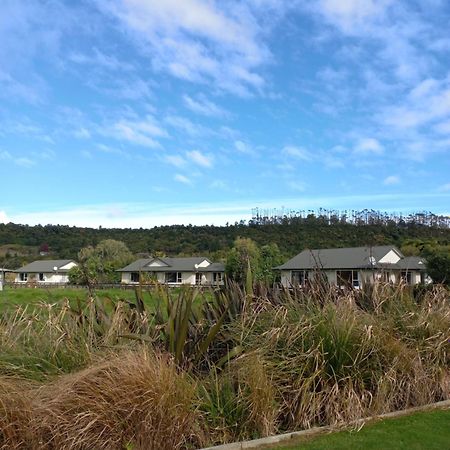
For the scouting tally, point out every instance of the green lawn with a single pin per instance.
(12, 297)
(428, 430)
(29, 296)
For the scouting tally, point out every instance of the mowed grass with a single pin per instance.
(10, 298)
(428, 430)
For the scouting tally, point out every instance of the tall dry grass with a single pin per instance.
(242, 366)
(133, 400)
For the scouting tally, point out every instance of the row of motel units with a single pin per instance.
(346, 267)
(342, 267)
(172, 271)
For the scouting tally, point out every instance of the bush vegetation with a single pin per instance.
(242, 363)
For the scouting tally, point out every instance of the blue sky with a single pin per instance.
(140, 113)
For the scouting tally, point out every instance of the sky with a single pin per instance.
(136, 113)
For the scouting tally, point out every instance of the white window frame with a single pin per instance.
(302, 276)
(217, 277)
(355, 283)
(23, 276)
(178, 277)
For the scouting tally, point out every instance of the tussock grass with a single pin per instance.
(16, 414)
(239, 366)
(135, 399)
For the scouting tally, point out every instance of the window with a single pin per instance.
(41, 277)
(173, 277)
(406, 277)
(299, 277)
(134, 277)
(347, 278)
(23, 276)
(217, 277)
(198, 278)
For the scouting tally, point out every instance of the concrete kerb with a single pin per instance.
(285, 438)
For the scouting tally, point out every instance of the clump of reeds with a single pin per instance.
(132, 400)
(16, 414)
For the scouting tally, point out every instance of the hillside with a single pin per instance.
(291, 235)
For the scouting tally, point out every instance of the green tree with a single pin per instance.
(438, 267)
(243, 257)
(270, 257)
(99, 264)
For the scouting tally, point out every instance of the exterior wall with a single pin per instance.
(49, 277)
(186, 277)
(364, 276)
(390, 258)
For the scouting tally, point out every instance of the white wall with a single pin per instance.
(390, 257)
(49, 277)
(186, 277)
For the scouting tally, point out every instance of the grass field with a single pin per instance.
(11, 297)
(429, 430)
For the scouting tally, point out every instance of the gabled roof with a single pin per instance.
(46, 265)
(340, 258)
(412, 263)
(173, 265)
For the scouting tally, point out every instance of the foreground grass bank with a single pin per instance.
(428, 430)
(233, 365)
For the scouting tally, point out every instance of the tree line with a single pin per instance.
(20, 244)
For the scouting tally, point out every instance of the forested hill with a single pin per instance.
(291, 235)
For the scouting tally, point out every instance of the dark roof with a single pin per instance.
(339, 258)
(412, 263)
(46, 265)
(173, 264)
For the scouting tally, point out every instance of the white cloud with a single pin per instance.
(199, 158)
(182, 179)
(150, 214)
(391, 180)
(297, 153)
(243, 147)
(203, 106)
(198, 41)
(352, 15)
(24, 162)
(3, 217)
(175, 160)
(82, 133)
(140, 132)
(426, 102)
(21, 161)
(445, 187)
(183, 124)
(366, 146)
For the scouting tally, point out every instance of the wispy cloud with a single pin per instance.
(201, 105)
(175, 160)
(391, 180)
(244, 147)
(182, 179)
(198, 41)
(21, 161)
(185, 125)
(200, 158)
(368, 146)
(144, 132)
(297, 153)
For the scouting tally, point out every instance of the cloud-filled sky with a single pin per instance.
(143, 112)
